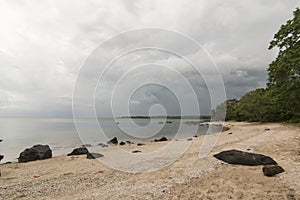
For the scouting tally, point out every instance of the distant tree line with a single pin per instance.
(280, 100)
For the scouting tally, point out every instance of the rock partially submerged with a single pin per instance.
(37, 152)
(93, 155)
(113, 141)
(161, 139)
(271, 170)
(122, 143)
(102, 145)
(79, 151)
(244, 158)
(1, 140)
(1, 157)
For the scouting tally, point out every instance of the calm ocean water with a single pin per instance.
(62, 136)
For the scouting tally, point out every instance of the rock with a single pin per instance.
(189, 139)
(86, 145)
(1, 140)
(93, 155)
(113, 141)
(267, 129)
(37, 152)
(79, 151)
(230, 133)
(225, 129)
(271, 170)
(136, 151)
(129, 142)
(102, 145)
(122, 143)
(1, 157)
(244, 158)
(169, 122)
(161, 139)
(195, 136)
(140, 144)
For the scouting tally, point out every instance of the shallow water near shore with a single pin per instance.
(62, 136)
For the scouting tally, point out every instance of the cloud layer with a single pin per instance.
(43, 45)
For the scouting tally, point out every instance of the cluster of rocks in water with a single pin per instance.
(237, 157)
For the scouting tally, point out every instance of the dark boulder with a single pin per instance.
(113, 141)
(271, 170)
(93, 155)
(136, 151)
(79, 151)
(161, 139)
(1, 157)
(122, 143)
(37, 152)
(1, 140)
(244, 158)
(140, 144)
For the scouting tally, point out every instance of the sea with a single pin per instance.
(63, 135)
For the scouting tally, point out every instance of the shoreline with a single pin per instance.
(76, 177)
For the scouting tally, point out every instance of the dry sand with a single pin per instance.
(187, 178)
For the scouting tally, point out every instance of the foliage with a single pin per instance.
(280, 101)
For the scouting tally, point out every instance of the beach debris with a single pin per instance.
(136, 151)
(79, 151)
(271, 170)
(113, 141)
(122, 143)
(189, 139)
(93, 155)
(244, 158)
(102, 145)
(140, 144)
(37, 152)
(161, 139)
(1, 157)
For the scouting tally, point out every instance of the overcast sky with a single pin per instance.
(45, 44)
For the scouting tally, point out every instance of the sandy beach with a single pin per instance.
(189, 177)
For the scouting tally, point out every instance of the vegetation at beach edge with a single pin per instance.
(280, 100)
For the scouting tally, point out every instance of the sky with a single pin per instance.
(54, 55)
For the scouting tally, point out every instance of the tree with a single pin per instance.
(284, 72)
(286, 67)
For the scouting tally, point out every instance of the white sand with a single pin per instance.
(187, 178)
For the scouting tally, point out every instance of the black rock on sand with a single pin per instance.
(244, 158)
(93, 155)
(271, 170)
(79, 151)
(37, 152)
(161, 139)
(113, 141)
(1, 157)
